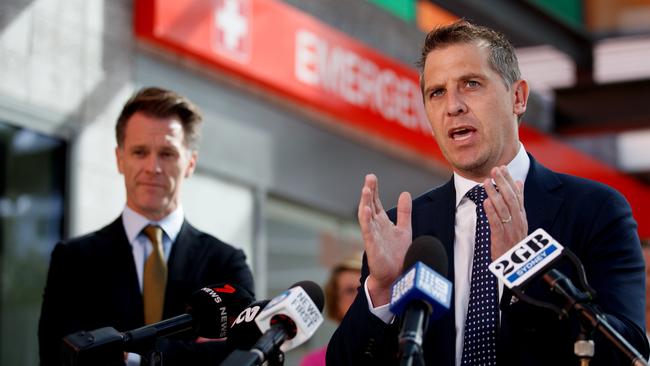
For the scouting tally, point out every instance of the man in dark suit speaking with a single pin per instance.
(474, 98)
(142, 267)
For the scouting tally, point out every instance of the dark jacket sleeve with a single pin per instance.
(612, 257)
(239, 270)
(59, 305)
(215, 263)
(55, 317)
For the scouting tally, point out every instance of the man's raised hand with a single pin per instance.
(385, 243)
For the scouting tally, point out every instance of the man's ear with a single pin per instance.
(191, 164)
(520, 96)
(119, 152)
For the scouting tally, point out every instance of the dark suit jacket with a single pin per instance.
(592, 220)
(92, 283)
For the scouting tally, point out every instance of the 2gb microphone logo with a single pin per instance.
(526, 258)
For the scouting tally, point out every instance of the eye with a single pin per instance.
(436, 93)
(472, 84)
(139, 152)
(167, 154)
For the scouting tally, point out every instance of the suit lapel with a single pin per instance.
(118, 252)
(541, 199)
(180, 259)
(114, 236)
(439, 215)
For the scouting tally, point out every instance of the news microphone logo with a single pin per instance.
(528, 257)
(247, 315)
(295, 304)
(421, 283)
(278, 299)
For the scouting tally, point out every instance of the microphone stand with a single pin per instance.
(252, 358)
(584, 347)
(151, 358)
(411, 341)
(591, 316)
(267, 348)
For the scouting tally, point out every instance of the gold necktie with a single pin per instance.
(155, 277)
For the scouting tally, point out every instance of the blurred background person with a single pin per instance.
(340, 290)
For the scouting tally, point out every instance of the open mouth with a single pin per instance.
(461, 133)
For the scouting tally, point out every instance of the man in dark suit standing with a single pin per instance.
(141, 268)
(474, 98)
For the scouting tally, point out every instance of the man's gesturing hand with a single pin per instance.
(385, 243)
(505, 211)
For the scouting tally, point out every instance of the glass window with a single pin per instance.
(32, 181)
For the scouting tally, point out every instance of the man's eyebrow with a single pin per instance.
(472, 75)
(431, 87)
(137, 146)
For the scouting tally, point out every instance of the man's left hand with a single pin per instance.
(505, 211)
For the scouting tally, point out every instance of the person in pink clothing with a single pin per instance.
(340, 291)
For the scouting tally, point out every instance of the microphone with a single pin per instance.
(286, 322)
(534, 257)
(244, 332)
(419, 293)
(535, 254)
(209, 312)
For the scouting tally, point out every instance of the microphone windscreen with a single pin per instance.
(428, 250)
(314, 291)
(244, 332)
(215, 307)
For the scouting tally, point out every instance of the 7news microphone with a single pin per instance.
(534, 257)
(266, 329)
(209, 313)
(421, 292)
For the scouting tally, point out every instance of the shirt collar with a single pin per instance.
(518, 168)
(134, 223)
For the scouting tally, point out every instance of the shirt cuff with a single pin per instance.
(382, 312)
(133, 359)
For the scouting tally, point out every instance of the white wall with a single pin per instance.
(222, 209)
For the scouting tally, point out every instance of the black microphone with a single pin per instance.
(422, 291)
(286, 322)
(209, 313)
(244, 332)
(534, 257)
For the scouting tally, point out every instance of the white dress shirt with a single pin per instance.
(464, 231)
(141, 245)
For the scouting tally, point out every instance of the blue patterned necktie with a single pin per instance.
(479, 347)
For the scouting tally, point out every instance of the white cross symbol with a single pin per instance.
(233, 25)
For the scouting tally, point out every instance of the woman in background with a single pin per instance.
(340, 291)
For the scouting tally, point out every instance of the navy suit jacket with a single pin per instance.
(92, 283)
(591, 219)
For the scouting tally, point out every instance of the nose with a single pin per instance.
(153, 164)
(455, 103)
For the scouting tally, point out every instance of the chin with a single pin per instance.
(153, 206)
(468, 165)
(474, 167)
